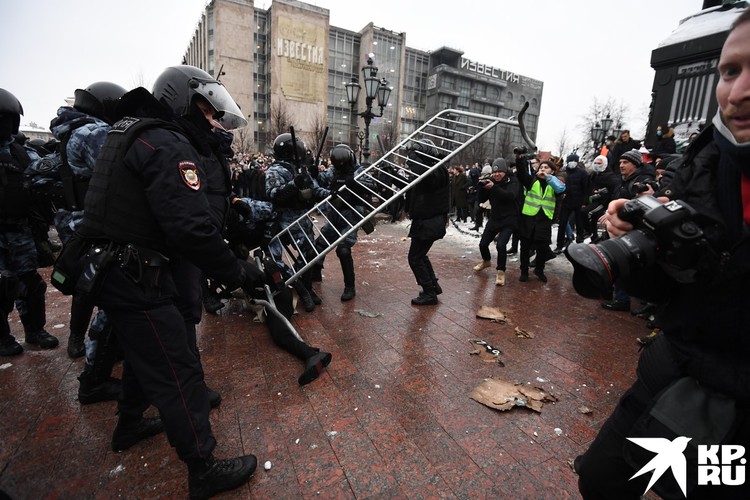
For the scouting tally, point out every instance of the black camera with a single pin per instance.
(641, 187)
(665, 234)
(483, 182)
(598, 194)
(522, 152)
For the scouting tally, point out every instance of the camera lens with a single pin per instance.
(597, 267)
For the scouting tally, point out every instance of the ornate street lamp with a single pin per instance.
(374, 89)
(599, 133)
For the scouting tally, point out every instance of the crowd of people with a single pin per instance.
(144, 188)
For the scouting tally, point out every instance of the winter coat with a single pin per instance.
(537, 227)
(707, 322)
(502, 197)
(460, 182)
(576, 187)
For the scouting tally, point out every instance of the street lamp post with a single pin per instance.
(599, 133)
(361, 137)
(374, 88)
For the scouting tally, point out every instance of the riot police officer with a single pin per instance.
(82, 130)
(19, 278)
(150, 228)
(340, 214)
(293, 192)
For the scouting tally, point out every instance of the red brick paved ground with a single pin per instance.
(390, 418)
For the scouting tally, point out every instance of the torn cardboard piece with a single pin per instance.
(493, 314)
(503, 395)
(520, 332)
(366, 314)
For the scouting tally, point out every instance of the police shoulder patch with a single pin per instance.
(189, 174)
(124, 124)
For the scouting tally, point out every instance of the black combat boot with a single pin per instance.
(304, 296)
(8, 344)
(347, 269)
(307, 280)
(213, 476)
(92, 389)
(129, 432)
(43, 339)
(314, 366)
(427, 297)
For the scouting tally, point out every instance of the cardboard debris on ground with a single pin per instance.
(503, 395)
(493, 314)
(366, 314)
(485, 351)
(520, 332)
(585, 410)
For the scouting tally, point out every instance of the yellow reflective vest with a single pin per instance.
(535, 200)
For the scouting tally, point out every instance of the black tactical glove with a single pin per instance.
(250, 277)
(313, 170)
(287, 192)
(302, 180)
(242, 208)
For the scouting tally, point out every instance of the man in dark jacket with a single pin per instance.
(576, 187)
(703, 357)
(427, 206)
(501, 189)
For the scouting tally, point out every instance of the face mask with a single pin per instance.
(572, 165)
(598, 167)
(659, 133)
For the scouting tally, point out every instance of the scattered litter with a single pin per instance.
(59, 325)
(366, 314)
(585, 410)
(313, 446)
(493, 314)
(116, 470)
(571, 463)
(486, 352)
(535, 434)
(377, 386)
(5, 366)
(558, 431)
(540, 380)
(503, 395)
(278, 394)
(296, 441)
(330, 434)
(520, 332)
(267, 465)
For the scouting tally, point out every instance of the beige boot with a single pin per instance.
(500, 280)
(482, 265)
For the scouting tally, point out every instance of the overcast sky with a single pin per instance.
(581, 49)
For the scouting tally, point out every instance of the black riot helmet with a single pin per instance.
(10, 114)
(283, 148)
(342, 157)
(423, 151)
(98, 99)
(178, 86)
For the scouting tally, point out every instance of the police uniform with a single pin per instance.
(147, 205)
(20, 280)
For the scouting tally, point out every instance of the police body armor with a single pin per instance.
(116, 204)
(15, 193)
(294, 202)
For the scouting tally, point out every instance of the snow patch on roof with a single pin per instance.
(706, 22)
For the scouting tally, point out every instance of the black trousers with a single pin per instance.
(579, 221)
(503, 234)
(161, 366)
(420, 263)
(603, 471)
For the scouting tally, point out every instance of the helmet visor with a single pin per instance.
(228, 113)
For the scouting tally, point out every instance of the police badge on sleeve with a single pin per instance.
(189, 174)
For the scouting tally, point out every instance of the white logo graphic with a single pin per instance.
(669, 455)
(717, 464)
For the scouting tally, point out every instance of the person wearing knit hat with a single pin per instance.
(633, 156)
(501, 190)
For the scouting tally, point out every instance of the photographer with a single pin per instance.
(501, 189)
(636, 181)
(602, 184)
(706, 322)
(535, 224)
